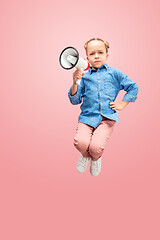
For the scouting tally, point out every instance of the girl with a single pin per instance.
(98, 90)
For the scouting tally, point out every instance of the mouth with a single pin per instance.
(97, 62)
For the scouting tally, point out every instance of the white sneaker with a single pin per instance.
(95, 167)
(82, 164)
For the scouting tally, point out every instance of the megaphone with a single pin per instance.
(69, 58)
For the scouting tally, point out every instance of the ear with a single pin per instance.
(107, 55)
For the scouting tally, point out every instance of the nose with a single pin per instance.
(96, 55)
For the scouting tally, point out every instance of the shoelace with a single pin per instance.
(95, 164)
(83, 161)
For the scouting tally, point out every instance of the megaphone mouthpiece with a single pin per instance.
(72, 59)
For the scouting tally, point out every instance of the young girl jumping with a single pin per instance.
(97, 91)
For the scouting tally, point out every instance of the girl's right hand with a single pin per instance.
(77, 75)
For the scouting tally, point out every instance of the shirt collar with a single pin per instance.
(94, 70)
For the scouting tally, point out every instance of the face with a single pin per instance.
(96, 53)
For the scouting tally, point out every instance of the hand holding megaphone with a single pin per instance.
(77, 75)
(69, 58)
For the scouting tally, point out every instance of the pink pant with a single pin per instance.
(90, 141)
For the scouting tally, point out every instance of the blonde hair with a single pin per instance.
(105, 43)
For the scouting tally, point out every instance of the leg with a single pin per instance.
(100, 137)
(82, 138)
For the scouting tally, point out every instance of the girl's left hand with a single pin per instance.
(115, 106)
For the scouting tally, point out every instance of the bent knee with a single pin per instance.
(80, 143)
(96, 151)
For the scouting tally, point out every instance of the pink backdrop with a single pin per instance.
(42, 195)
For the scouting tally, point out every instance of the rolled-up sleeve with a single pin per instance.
(77, 97)
(129, 86)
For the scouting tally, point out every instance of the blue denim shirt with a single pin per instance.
(97, 89)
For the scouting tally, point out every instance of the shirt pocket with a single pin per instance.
(111, 87)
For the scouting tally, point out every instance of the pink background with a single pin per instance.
(42, 195)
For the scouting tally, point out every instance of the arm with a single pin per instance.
(74, 89)
(76, 75)
(124, 104)
(130, 87)
(75, 93)
(119, 106)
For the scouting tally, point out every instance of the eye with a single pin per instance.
(91, 54)
(101, 52)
